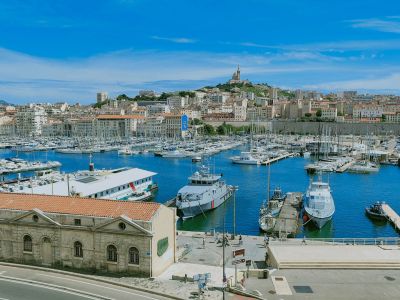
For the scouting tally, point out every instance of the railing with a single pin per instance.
(341, 241)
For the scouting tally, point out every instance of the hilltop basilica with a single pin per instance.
(236, 78)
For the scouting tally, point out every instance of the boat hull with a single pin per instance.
(191, 211)
(319, 222)
(375, 216)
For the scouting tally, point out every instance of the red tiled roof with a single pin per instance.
(79, 206)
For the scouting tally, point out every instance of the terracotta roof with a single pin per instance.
(79, 206)
(114, 117)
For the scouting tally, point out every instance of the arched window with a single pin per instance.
(133, 256)
(112, 254)
(78, 251)
(27, 243)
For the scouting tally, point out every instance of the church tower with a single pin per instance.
(238, 73)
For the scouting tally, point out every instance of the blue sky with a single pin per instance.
(52, 50)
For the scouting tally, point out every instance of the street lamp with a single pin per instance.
(235, 188)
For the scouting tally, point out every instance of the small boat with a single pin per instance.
(196, 158)
(376, 212)
(126, 151)
(245, 158)
(140, 196)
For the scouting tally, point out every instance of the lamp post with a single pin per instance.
(223, 261)
(235, 188)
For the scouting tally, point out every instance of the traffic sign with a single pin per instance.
(238, 252)
(184, 122)
(238, 261)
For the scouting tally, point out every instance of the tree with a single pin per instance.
(209, 129)
(307, 115)
(196, 121)
(318, 113)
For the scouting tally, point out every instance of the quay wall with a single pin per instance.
(297, 127)
(279, 126)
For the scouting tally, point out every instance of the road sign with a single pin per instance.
(238, 252)
(238, 261)
(184, 122)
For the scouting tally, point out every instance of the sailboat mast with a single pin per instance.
(269, 181)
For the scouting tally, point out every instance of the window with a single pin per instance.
(122, 226)
(77, 222)
(112, 254)
(133, 256)
(78, 251)
(35, 218)
(27, 243)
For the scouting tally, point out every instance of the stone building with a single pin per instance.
(91, 234)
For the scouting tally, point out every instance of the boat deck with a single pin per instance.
(392, 216)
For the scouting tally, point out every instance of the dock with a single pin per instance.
(345, 166)
(278, 158)
(392, 216)
(287, 223)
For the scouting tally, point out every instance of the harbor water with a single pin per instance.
(351, 192)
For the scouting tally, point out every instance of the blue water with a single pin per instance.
(352, 192)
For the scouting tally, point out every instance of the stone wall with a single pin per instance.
(279, 126)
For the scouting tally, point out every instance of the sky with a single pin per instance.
(57, 50)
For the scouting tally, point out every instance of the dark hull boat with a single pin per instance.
(376, 212)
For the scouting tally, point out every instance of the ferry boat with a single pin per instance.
(129, 184)
(204, 192)
(245, 158)
(319, 206)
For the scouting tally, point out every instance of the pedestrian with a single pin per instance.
(266, 240)
(204, 243)
(240, 240)
(242, 281)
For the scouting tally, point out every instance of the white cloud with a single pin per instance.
(178, 40)
(384, 83)
(388, 24)
(26, 78)
(339, 46)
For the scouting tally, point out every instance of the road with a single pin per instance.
(18, 283)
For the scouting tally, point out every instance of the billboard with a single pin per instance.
(184, 123)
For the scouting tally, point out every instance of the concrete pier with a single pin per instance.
(278, 158)
(345, 166)
(392, 216)
(287, 223)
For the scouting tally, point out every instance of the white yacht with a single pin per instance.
(245, 158)
(204, 192)
(173, 154)
(127, 151)
(364, 167)
(319, 206)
